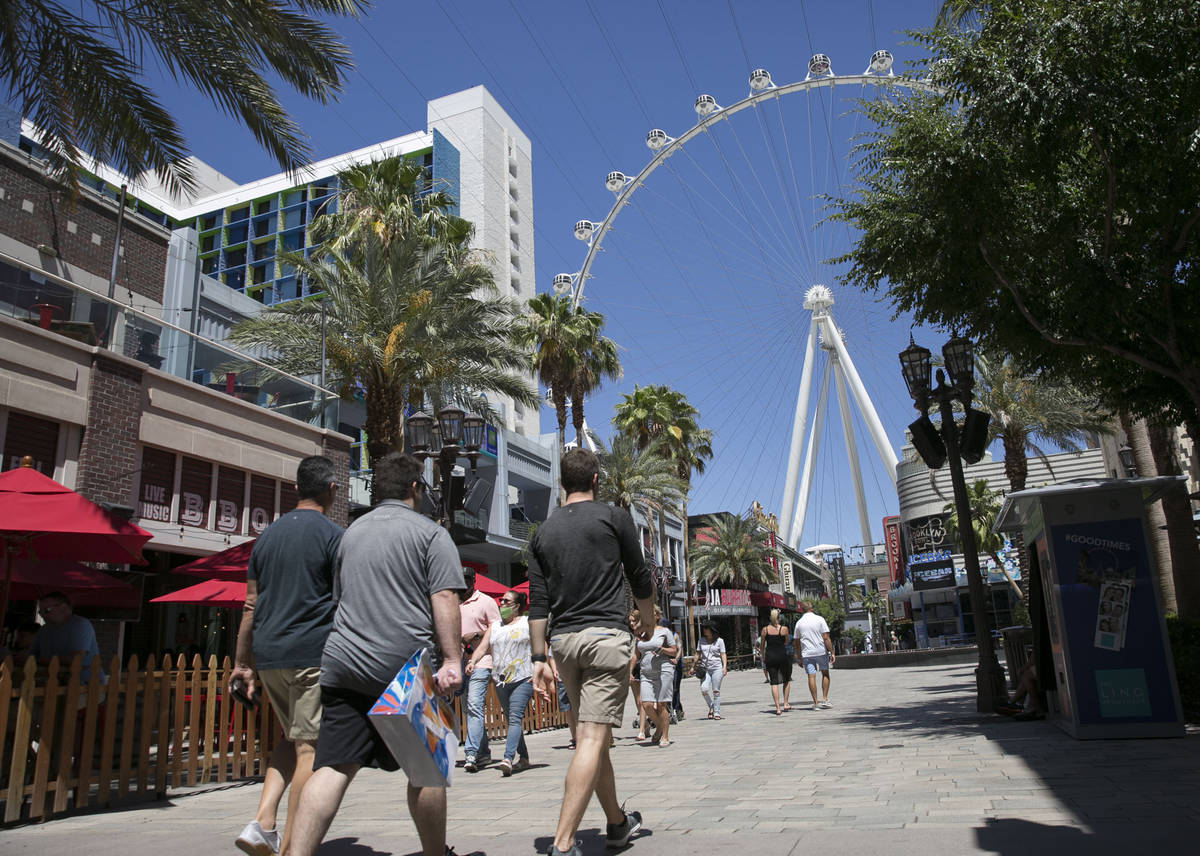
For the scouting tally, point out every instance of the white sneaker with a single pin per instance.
(258, 841)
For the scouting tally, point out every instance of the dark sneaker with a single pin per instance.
(575, 850)
(618, 834)
(522, 764)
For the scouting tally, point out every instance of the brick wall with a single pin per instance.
(36, 211)
(336, 447)
(108, 455)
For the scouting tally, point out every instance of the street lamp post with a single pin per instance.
(454, 434)
(949, 442)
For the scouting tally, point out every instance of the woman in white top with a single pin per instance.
(711, 666)
(507, 640)
(658, 678)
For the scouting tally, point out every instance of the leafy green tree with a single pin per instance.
(78, 72)
(597, 362)
(658, 412)
(1045, 203)
(735, 549)
(408, 320)
(833, 613)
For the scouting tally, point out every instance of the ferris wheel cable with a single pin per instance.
(617, 59)
(797, 198)
(687, 70)
(747, 232)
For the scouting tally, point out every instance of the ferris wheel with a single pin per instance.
(770, 246)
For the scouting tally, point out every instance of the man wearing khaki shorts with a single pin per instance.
(287, 615)
(579, 559)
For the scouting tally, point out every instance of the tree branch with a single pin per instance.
(1072, 341)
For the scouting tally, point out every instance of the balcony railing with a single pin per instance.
(60, 306)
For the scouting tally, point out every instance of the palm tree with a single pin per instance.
(735, 551)
(637, 478)
(596, 361)
(659, 413)
(985, 505)
(569, 354)
(1029, 409)
(408, 319)
(80, 75)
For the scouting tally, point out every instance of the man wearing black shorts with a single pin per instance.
(397, 590)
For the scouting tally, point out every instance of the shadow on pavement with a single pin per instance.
(349, 847)
(591, 841)
(1149, 782)
(1014, 837)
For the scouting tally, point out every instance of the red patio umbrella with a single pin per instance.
(489, 586)
(226, 593)
(522, 587)
(40, 519)
(229, 564)
(85, 586)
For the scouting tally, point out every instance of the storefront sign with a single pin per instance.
(231, 493)
(262, 503)
(891, 543)
(837, 565)
(712, 610)
(156, 485)
(932, 571)
(729, 597)
(29, 435)
(195, 490)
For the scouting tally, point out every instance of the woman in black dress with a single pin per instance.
(774, 638)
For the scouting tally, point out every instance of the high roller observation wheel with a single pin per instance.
(762, 88)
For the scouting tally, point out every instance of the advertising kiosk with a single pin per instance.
(1090, 542)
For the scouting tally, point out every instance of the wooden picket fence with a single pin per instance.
(69, 745)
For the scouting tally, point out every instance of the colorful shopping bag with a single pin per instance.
(418, 727)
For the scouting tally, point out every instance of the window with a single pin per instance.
(239, 214)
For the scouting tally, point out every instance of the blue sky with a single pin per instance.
(703, 276)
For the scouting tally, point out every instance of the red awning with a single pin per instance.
(229, 564)
(226, 593)
(83, 585)
(768, 598)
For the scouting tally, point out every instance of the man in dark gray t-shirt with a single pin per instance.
(397, 588)
(286, 616)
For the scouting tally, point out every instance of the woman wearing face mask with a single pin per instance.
(507, 640)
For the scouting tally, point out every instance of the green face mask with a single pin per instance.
(506, 612)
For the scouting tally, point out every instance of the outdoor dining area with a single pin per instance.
(82, 734)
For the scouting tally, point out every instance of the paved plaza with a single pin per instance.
(901, 765)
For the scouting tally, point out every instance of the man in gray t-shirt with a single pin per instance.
(396, 589)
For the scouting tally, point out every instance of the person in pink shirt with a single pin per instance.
(478, 612)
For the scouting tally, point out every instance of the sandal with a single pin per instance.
(716, 716)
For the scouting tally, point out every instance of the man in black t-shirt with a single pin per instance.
(578, 560)
(287, 616)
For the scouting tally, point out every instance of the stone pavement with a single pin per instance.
(901, 765)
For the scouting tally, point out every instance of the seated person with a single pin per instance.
(1026, 702)
(64, 635)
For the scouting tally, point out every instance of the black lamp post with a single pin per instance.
(948, 441)
(454, 434)
(1127, 460)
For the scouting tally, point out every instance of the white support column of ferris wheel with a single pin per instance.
(839, 378)
(799, 423)
(810, 458)
(866, 408)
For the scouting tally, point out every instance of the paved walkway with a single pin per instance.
(901, 765)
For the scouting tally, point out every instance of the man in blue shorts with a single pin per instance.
(814, 650)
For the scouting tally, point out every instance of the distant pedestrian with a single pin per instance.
(711, 667)
(895, 642)
(478, 612)
(507, 642)
(757, 654)
(564, 701)
(398, 583)
(580, 559)
(677, 714)
(658, 678)
(286, 617)
(779, 670)
(816, 653)
(641, 720)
